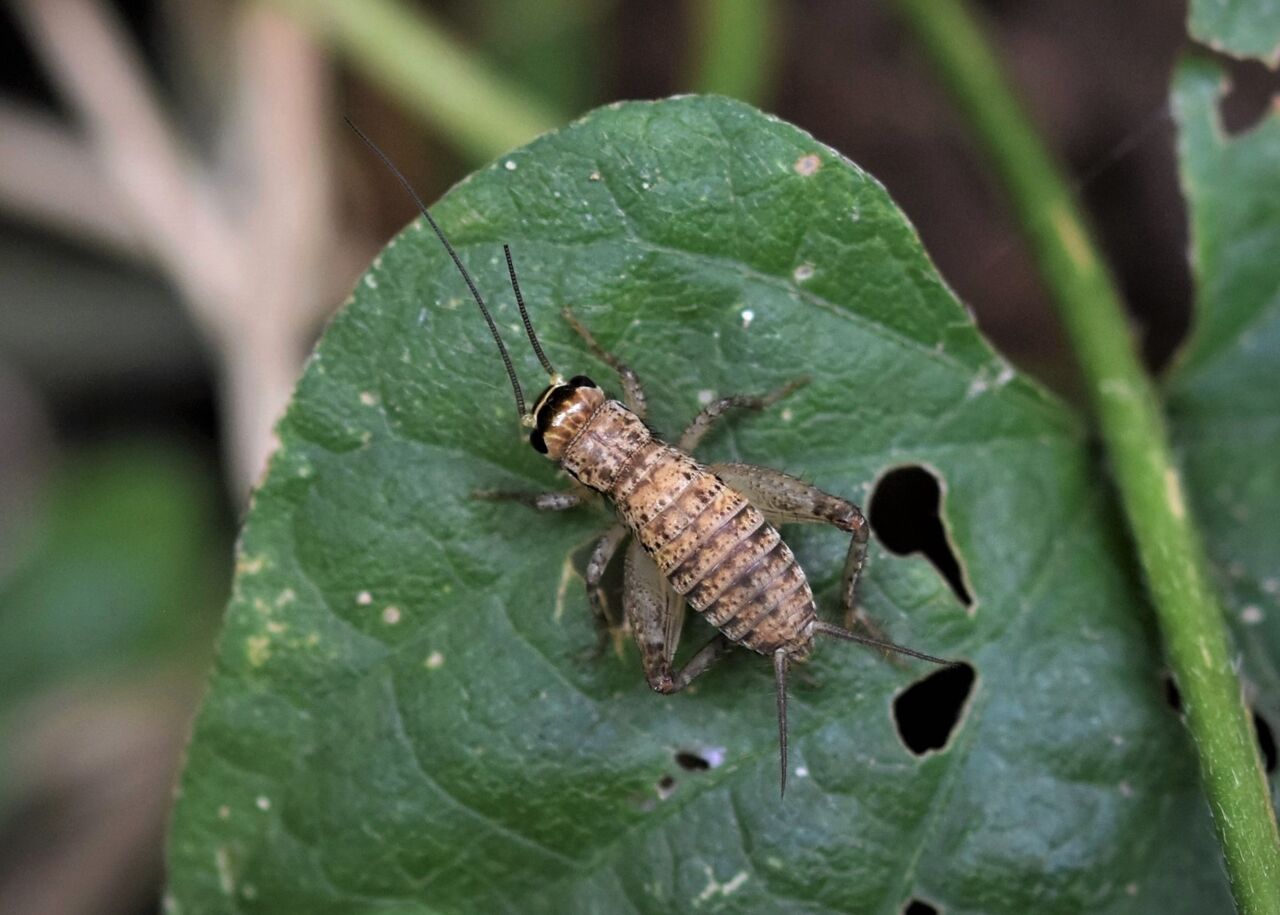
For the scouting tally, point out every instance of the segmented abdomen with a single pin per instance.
(716, 549)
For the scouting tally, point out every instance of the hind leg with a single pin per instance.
(786, 500)
(655, 613)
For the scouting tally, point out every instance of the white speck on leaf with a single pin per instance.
(263, 802)
(803, 272)
(364, 598)
(705, 396)
(368, 398)
(510, 165)
(258, 649)
(787, 415)
(807, 165)
(224, 812)
(391, 615)
(747, 317)
(434, 661)
(802, 772)
(371, 281)
(594, 176)
(222, 863)
(1173, 494)
(1251, 614)
(715, 888)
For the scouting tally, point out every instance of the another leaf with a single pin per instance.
(1224, 399)
(1241, 28)
(404, 716)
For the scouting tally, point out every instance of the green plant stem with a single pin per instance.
(735, 43)
(424, 67)
(1129, 415)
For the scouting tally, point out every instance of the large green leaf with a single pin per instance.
(405, 716)
(1242, 28)
(1225, 396)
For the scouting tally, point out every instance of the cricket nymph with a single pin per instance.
(713, 546)
(704, 536)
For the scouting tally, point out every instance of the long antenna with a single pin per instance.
(475, 293)
(528, 325)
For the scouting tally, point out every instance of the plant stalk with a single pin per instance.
(429, 72)
(1129, 416)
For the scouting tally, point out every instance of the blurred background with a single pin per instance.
(181, 208)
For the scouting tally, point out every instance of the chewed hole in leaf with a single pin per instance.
(905, 514)
(926, 712)
(695, 762)
(1172, 696)
(1266, 742)
(1252, 89)
(665, 787)
(918, 907)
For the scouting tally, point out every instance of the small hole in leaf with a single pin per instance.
(904, 514)
(927, 711)
(1171, 694)
(692, 762)
(1250, 91)
(666, 787)
(918, 907)
(1266, 742)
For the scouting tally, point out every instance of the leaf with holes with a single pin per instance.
(406, 711)
(1224, 398)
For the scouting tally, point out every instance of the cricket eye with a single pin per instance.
(537, 441)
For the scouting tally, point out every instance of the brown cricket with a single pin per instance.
(703, 536)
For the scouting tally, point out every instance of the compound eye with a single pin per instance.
(537, 441)
(582, 381)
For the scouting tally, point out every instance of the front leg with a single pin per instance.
(632, 391)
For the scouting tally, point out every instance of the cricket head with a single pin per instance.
(561, 412)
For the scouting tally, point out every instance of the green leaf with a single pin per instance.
(1241, 28)
(404, 713)
(1224, 398)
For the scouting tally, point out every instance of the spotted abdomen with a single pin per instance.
(716, 549)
